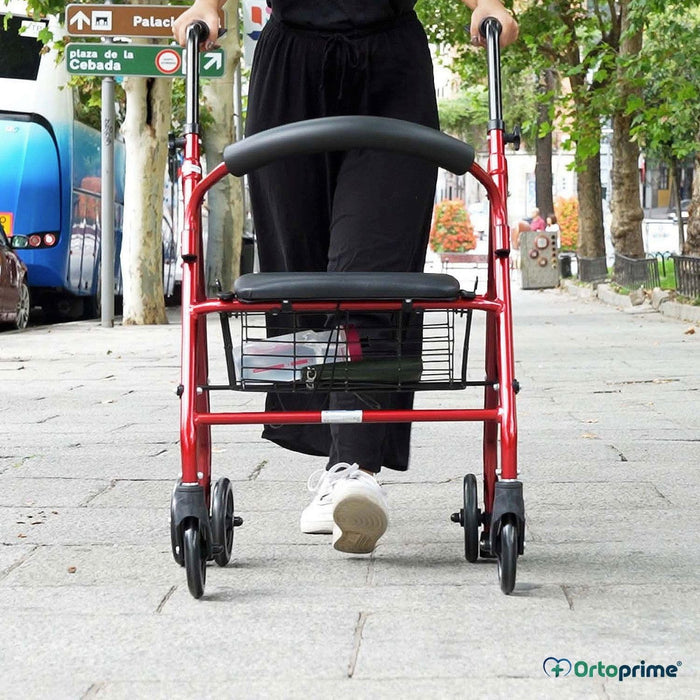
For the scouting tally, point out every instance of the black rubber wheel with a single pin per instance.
(222, 520)
(195, 561)
(470, 518)
(175, 542)
(508, 554)
(24, 307)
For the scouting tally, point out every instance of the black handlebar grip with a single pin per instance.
(490, 22)
(201, 30)
(345, 133)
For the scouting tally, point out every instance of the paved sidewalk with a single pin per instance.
(93, 605)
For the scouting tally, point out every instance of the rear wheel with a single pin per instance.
(222, 520)
(23, 306)
(471, 518)
(64, 309)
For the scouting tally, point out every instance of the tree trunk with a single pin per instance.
(625, 204)
(225, 199)
(591, 235)
(692, 241)
(145, 130)
(543, 151)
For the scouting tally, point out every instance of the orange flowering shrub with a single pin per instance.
(566, 211)
(451, 230)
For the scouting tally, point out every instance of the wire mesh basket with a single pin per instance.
(291, 351)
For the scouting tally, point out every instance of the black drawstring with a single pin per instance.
(340, 56)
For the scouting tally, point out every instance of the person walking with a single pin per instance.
(361, 210)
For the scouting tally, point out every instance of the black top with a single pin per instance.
(339, 14)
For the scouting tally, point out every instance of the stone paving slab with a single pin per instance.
(48, 492)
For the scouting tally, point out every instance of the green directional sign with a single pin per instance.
(136, 59)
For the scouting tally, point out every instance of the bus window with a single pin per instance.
(20, 53)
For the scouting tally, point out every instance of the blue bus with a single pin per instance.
(50, 176)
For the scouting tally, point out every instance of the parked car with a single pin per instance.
(685, 205)
(14, 290)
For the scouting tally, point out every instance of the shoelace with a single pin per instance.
(358, 474)
(324, 478)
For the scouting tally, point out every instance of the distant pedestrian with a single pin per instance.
(537, 223)
(553, 226)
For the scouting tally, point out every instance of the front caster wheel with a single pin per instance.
(222, 521)
(195, 560)
(507, 554)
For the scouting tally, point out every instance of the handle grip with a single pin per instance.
(491, 29)
(199, 30)
(490, 24)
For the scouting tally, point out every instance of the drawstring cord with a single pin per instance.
(341, 57)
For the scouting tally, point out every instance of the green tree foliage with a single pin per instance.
(667, 114)
(447, 25)
(464, 116)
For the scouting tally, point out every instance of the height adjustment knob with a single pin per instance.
(514, 138)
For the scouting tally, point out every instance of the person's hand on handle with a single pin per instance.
(205, 10)
(481, 9)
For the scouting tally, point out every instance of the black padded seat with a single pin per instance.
(346, 286)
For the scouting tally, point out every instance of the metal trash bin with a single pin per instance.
(565, 265)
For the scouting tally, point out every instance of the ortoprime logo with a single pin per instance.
(558, 668)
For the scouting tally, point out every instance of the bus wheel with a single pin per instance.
(64, 309)
(92, 307)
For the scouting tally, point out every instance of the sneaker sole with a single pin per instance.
(359, 523)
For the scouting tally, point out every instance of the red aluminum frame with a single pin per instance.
(498, 414)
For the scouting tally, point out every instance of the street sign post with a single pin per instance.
(153, 21)
(107, 205)
(137, 59)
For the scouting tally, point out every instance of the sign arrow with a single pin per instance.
(148, 60)
(81, 19)
(212, 59)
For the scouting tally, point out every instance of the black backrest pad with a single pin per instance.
(344, 133)
(346, 286)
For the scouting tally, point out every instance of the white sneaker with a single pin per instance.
(317, 517)
(359, 513)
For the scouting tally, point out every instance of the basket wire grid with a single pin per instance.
(291, 351)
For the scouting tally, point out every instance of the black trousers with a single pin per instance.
(362, 210)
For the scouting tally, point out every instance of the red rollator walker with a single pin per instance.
(273, 348)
